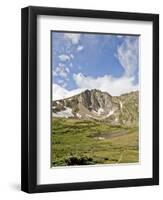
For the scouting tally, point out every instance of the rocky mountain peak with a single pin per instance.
(97, 105)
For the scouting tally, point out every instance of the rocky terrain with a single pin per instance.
(100, 106)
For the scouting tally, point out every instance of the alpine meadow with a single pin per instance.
(95, 99)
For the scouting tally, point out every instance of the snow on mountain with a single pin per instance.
(98, 105)
(64, 113)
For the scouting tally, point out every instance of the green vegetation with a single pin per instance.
(86, 142)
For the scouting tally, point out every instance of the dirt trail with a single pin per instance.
(121, 156)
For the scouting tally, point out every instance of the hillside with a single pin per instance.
(99, 106)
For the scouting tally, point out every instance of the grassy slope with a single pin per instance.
(80, 142)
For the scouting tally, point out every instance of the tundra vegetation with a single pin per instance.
(88, 142)
(95, 128)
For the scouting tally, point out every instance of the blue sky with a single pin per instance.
(103, 61)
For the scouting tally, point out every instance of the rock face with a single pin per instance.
(101, 106)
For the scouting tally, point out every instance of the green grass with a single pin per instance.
(83, 142)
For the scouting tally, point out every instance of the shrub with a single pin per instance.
(79, 160)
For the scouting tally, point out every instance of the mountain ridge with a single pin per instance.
(97, 105)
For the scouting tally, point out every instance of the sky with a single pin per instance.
(81, 61)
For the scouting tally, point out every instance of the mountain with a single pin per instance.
(97, 105)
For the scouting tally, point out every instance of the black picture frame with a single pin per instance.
(29, 99)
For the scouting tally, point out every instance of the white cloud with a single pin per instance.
(80, 48)
(71, 55)
(58, 92)
(73, 37)
(64, 57)
(61, 93)
(54, 73)
(127, 55)
(61, 65)
(67, 70)
(119, 36)
(63, 74)
(60, 81)
(112, 85)
(61, 70)
(64, 84)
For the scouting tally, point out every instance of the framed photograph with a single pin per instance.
(90, 99)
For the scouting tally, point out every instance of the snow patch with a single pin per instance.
(121, 105)
(88, 115)
(99, 112)
(64, 113)
(78, 115)
(110, 113)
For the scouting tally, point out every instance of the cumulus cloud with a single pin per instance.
(112, 85)
(67, 69)
(64, 57)
(80, 48)
(60, 81)
(54, 73)
(61, 93)
(73, 37)
(127, 55)
(61, 70)
(58, 92)
(72, 56)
